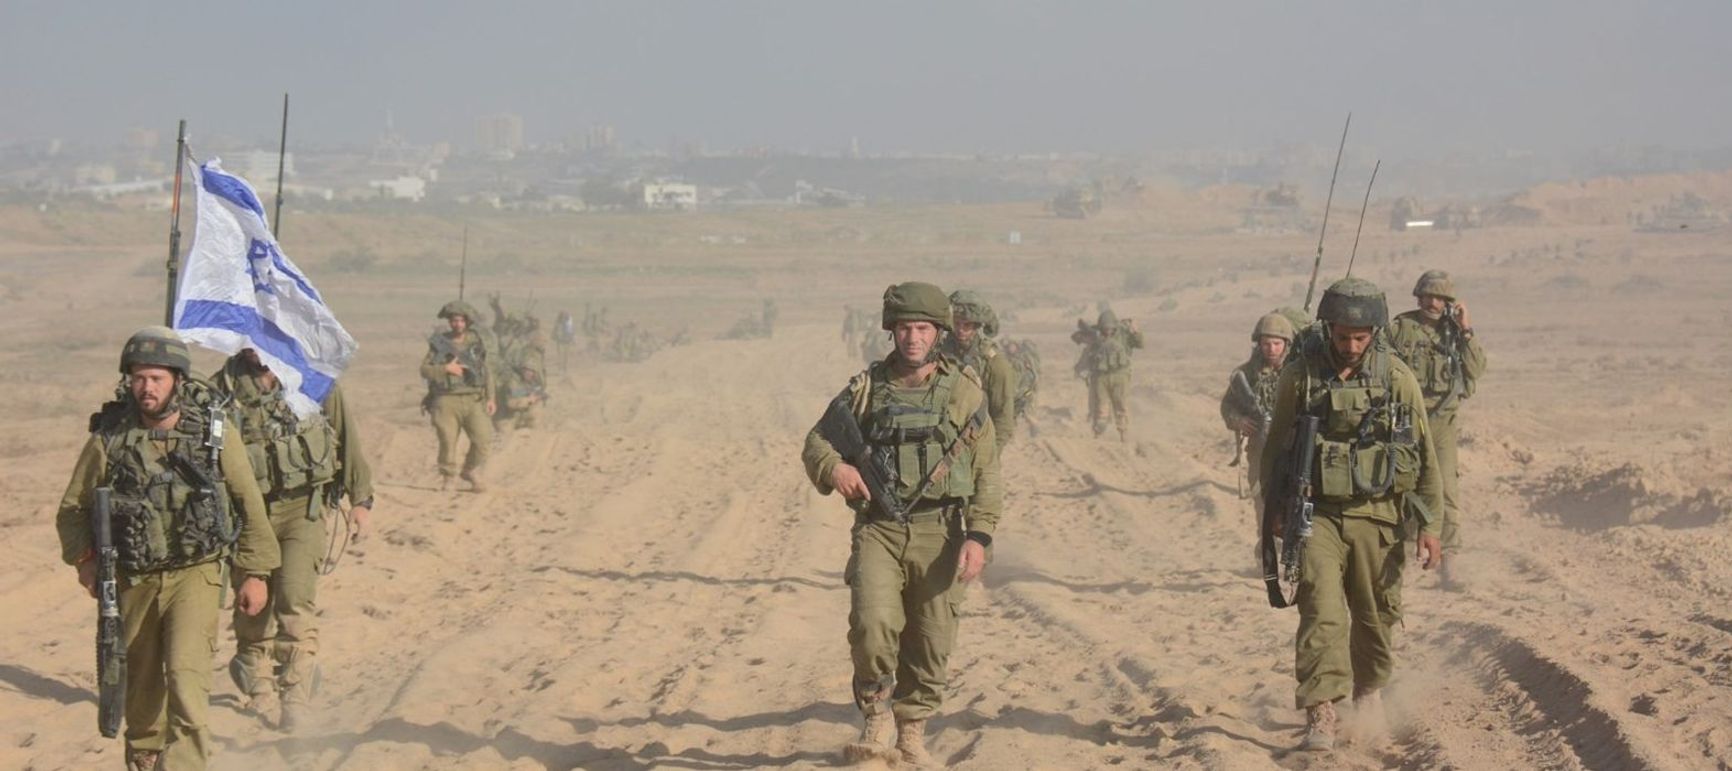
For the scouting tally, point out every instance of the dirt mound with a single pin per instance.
(1586, 496)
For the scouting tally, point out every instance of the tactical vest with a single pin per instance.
(170, 507)
(1423, 349)
(913, 427)
(472, 352)
(290, 456)
(1111, 354)
(1367, 445)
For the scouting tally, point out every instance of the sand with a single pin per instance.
(651, 583)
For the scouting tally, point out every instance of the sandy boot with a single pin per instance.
(266, 706)
(300, 682)
(911, 744)
(874, 741)
(142, 760)
(476, 484)
(1370, 724)
(1319, 728)
(1447, 579)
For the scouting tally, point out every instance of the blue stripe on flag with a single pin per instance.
(262, 334)
(231, 189)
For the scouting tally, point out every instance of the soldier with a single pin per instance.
(1437, 343)
(848, 327)
(460, 395)
(1376, 472)
(523, 375)
(303, 465)
(1106, 365)
(1250, 397)
(907, 580)
(565, 336)
(153, 446)
(973, 345)
(1025, 359)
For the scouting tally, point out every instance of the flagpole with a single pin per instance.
(282, 153)
(174, 225)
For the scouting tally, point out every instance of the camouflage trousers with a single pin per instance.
(1444, 436)
(284, 637)
(1106, 390)
(1349, 605)
(170, 622)
(455, 414)
(904, 604)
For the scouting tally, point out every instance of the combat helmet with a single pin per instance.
(1108, 320)
(158, 347)
(1300, 319)
(968, 305)
(1273, 325)
(460, 308)
(916, 301)
(1435, 282)
(1353, 302)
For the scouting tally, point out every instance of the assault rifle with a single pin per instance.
(110, 642)
(1287, 515)
(840, 428)
(473, 363)
(1452, 341)
(1245, 401)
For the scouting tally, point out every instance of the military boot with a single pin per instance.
(1319, 728)
(1447, 580)
(473, 477)
(266, 706)
(911, 744)
(142, 760)
(1369, 721)
(300, 681)
(874, 741)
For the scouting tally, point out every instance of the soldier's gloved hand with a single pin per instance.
(87, 576)
(250, 598)
(1429, 551)
(846, 479)
(971, 561)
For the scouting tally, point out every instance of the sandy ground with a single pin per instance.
(653, 584)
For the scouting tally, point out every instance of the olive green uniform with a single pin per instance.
(1349, 594)
(997, 378)
(459, 403)
(1420, 344)
(168, 614)
(523, 378)
(904, 597)
(1262, 379)
(1106, 364)
(299, 464)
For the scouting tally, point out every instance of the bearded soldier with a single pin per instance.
(927, 499)
(1106, 365)
(303, 465)
(184, 500)
(1375, 471)
(974, 345)
(1437, 342)
(460, 396)
(1249, 402)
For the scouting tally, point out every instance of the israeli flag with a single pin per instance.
(238, 290)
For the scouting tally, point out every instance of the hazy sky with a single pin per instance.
(996, 76)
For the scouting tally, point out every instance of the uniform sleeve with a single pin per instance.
(1430, 489)
(357, 475)
(256, 549)
(1281, 424)
(432, 368)
(819, 458)
(490, 365)
(1229, 416)
(73, 519)
(987, 505)
(1473, 361)
(1001, 395)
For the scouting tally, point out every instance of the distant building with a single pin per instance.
(499, 134)
(670, 196)
(260, 167)
(400, 189)
(600, 139)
